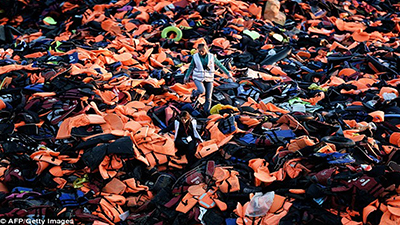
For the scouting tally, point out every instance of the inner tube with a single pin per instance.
(340, 142)
(392, 115)
(169, 29)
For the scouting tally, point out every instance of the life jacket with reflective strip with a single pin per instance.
(200, 73)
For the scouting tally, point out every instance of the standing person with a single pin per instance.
(186, 136)
(203, 68)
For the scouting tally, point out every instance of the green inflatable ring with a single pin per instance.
(176, 30)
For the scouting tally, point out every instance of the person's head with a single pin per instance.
(202, 49)
(185, 116)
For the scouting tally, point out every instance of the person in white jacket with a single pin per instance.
(186, 135)
(203, 68)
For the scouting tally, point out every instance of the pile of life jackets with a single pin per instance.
(309, 132)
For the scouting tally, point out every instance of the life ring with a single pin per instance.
(176, 30)
(340, 142)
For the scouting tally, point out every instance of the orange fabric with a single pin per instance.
(291, 122)
(359, 85)
(3, 188)
(206, 200)
(353, 135)
(243, 219)
(96, 222)
(218, 136)
(293, 168)
(113, 122)
(273, 108)
(275, 70)
(221, 42)
(388, 218)
(378, 116)
(197, 190)
(134, 186)
(231, 184)
(187, 203)
(337, 45)
(2, 105)
(351, 123)
(274, 218)
(388, 90)
(156, 159)
(77, 121)
(333, 82)
(261, 171)
(277, 203)
(132, 126)
(322, 31)
(2, 171)
(279, 175)
(46, 156)
(137, 201)
(251, 102)
(141, 29)
(347, 221)
(347, 72)
(388, 149)
(56, 171)
(161, 5)
(367, 81)
(115, 186)
(143, 16)
(123, 57)
(183, 24)
(146, 55)
(395, 139)
(304, 54)
(267, 47)
(111, 26)
(361, 36)
(297, 191)
(14, 67)
(109, 208)
(349, 26)
(60, 181)
(206, 148)
(35, 55)
(221, 205)
(316, 99)
(299, 143)
(41, 167)
(220, 174)
(393, 82)
(108, 97)
(247, 120)
(148, 140)
(129, 26)
(109, 166)
(255, 10)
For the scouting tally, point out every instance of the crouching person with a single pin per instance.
(186, 136)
